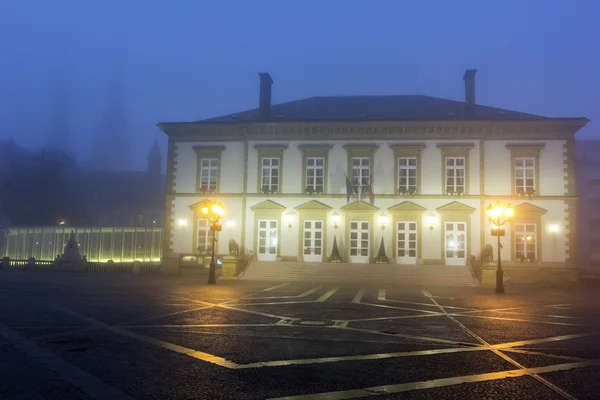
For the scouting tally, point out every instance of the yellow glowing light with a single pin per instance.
(204, 210)
(230, 224)
(431, 218)
(509, 211)
(529, 238)
(182, 222)
(62, 222)
(218, 209)
(335, 218)
(553, 228)
(383, 219)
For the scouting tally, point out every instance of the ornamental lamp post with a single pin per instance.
(495, 214)
(213, 214)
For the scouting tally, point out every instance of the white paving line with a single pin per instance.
(359, 295)
(305, 294)
(436, 383)
(381, 294)
(537, 377)
(275, 287)
(518, 320)
(156, 342)
(327, 295)
(87, 383)
(322, 360)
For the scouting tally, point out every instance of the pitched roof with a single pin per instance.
(375, 108)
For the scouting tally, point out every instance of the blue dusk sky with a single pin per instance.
(186, 60)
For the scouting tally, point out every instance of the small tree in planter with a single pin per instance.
(335, 253)
(381, 257)
(309, 190)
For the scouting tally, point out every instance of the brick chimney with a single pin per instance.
(469, 79)
(264, 105)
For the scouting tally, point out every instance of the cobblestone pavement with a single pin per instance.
(100, 336)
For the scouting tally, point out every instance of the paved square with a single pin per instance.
(100, 336)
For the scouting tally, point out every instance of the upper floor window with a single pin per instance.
(525, 242)
(315, 174)
(314, 167)
(525, 175)
(525, 168)
(407, 174)
(270, 174)
(408, 167)
(455, 167)
(270, 167)
(455, 174)
(361, 172)
(208, 174)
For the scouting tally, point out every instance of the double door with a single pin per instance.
(455, 246)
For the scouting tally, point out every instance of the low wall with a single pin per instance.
(556, 277)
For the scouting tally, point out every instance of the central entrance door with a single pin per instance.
(406, 242)
(312, 246)
(455, 245)
(359, 242)
(267, 240)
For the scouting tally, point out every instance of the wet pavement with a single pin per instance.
(101, 336)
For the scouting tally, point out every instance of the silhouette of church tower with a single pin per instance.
(154, 160)
(111, 150)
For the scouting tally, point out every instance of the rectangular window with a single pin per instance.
(208, 174)
(315, 171)
(361, 171)
(407, 174)
(525, 175)
(455, 174)
(270, 174)
(525, 242)
(204, 236)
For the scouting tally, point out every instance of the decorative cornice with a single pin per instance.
(378, 130)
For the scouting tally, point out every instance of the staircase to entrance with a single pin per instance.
(339, 272)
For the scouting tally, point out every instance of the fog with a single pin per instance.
(81, 73)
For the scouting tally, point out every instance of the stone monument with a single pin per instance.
(70, 260)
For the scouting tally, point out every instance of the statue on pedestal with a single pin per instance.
(70, 260)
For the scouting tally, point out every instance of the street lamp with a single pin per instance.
(335, 218)
(495, 214)
(383, 221)
(213, 214)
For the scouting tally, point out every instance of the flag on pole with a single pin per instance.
(348, 188)
(371, 192)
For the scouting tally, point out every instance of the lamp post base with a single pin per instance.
(212, 280)
(499, 281)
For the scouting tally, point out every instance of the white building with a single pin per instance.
(434, 166)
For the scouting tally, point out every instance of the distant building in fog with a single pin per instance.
(588, 189)
(127, 198)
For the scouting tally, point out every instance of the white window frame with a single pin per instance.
(312, 246)
(273, 180)
(523, 168)
(455, 187)
(209, 174)
(361, 172)
(522, 234)
(204, 240)
(312, 169)
(361, 227)
(270, 247)
(404, 172)
(410, 227)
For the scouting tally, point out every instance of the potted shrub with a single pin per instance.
(381, 257)
(335, 253)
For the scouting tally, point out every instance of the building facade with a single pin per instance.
(588, 188)
(415, 172)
